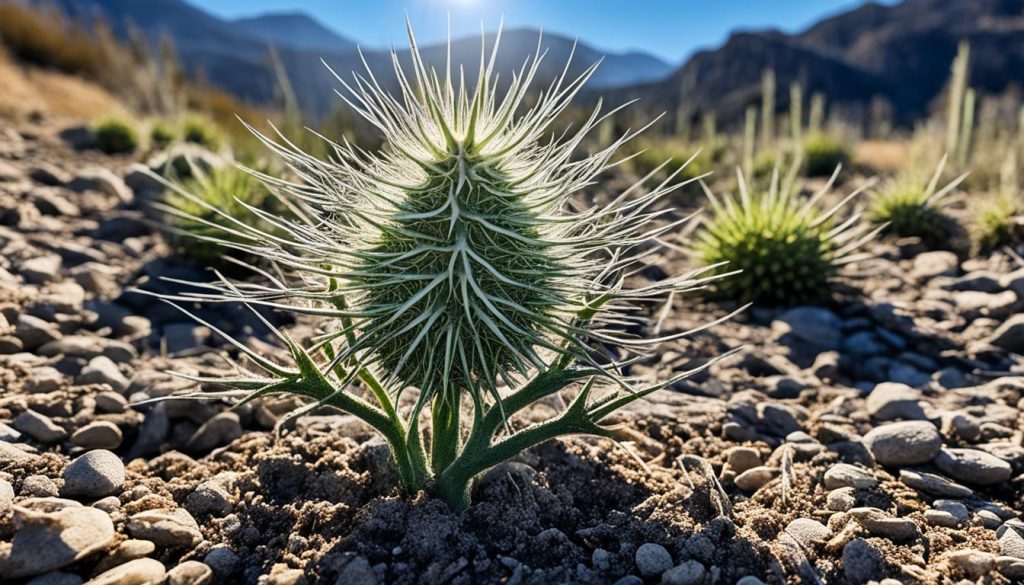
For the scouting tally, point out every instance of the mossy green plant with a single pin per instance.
(911, 205)
(162, 134)
(454, 278)
(822, 153)
(778, 247)
(998, 221)
(202, 131)
(116, 136)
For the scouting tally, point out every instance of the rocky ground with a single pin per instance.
(873, 440)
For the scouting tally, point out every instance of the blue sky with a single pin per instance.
(671, 29)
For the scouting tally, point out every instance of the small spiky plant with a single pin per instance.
(452, 274)
(116, 136)
(913, 207)
(998, 221)
(787, 248)
(823, 153)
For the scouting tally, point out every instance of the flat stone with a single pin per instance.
(819, 327)
(165, 527)
(842, 499)
(34, 332)
(1011, 544)
(974, 304)
(216, 432)
(96, 474)
(755, 478)
(903, 443)
(935, 485)
(102, 370)
(41, 269)
(103, 180)
(43, 380)
(45, 542)
(929, 265)
(808, 532)
(973, 466)
(862, 562)
(975, 563)
(846, 475)
(6, 496)
(138, 572)
(1010, 335)
(39, 427)
(110, 402)
(652, 559)
(98, 435)
(878, 523)
(56, 578)
(740, 459)
(687, 573)
(189, 573)
(893, 400)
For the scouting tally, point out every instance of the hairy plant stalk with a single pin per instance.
(453, 276)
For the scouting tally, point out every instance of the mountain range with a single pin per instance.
(234, 55)
(900, 54)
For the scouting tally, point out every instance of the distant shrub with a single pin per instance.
(823, 153)
(650, 153)
(44, 38)
(910, 206)
(208, 205)
(116, 136)
(202, 131)
(998, 221)
(162, 134)
(786, 247)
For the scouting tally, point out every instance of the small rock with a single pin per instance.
(754, 479)
(47, 541)
(861, 561)
(893, 400)
(814, 325)
(974, 304)
(41, 269)
(43, 380)
(973, 562)
(103, 180)
(973, 466)
(137, 572)
(39, 486)
(110, 402)
(165, 527)
(6, 496)
(46, 174)
(210, 497)
(216, 432)
(652, 559)
(358, 570)
(189, 573)
(932, 264)
(96, 474)
(879, 523)
(1010, 335)
(846, 475)
(39, 427)
(56, 578)
(842, 499)
(935, 485)
(988, 519)
(687, 573)
(904, 443)
(1011, 544)
(740, 459)
(98, 435)
(101, 370)
(808, 532)
(34, 332)
(947, 513)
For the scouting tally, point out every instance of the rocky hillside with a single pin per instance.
(901, 53)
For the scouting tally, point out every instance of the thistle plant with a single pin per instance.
(787, 248)
(913, 207)
(452, 275)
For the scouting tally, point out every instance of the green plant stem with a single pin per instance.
(444, 442)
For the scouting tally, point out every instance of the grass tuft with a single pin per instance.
(116, 136)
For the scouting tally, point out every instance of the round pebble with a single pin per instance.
(96, 474)
(652, 559)
(904, 443)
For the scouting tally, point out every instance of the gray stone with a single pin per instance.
(34, 332)
(894, 400)
(110, 402)
(6, 496)
(755, 478)
(46, 174)
(878, 523)
(137, 572)
(56, 578)
(98, 435)
(740, 459)
(1010, 335)
(101, 370)
(189, 573)
(973, 304)
(861, 561)
(947, 513)
(932, 264)
(45, 542)
(39, 486)
(975, 563)
(43, 380)
(358, 570)
(808, 532)
(846, 475)
(39, 427)
(96, 474)
(41, 269)
(842, 499)
(1011, 544)
(687, 573)
(652, 559)
(103, 180)
(223, 561)
(814, 325)
(216, 432)
(973, 466)
(165, 527)
(903, 443)
(935, 485)
(210, 497)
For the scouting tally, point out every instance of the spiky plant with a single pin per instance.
(912, 206)
(453, 275)
(998, 221)
(823, 153)
(162, 134)
(116, 136)
(225, 195)
(202, 131)
(787, 248)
